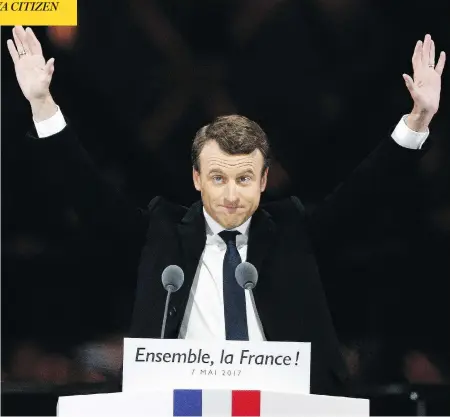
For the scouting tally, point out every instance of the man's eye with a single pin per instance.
(217, 179)
(245, 179)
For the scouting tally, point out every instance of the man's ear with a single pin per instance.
(196, 179)
(264, 180)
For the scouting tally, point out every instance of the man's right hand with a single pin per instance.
(33, 73)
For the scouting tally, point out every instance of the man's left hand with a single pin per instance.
(425, 89)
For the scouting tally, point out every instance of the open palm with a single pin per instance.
(425, 88)
(33, 74)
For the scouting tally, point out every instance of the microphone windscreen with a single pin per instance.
(172, 275)
(246, 275)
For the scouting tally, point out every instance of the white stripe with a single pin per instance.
(216, 403)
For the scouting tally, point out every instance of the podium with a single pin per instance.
(191, 378)
(210, 403)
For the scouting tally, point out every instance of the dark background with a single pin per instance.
(137, 79)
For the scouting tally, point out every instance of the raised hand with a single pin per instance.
(425, 87)
(34, 75)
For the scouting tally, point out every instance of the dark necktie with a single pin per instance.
(233, 294)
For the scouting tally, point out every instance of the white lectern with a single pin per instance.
(185, 378)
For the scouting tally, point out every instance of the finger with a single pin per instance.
(432, 54)
(441, 63)
(22, 35)
(50, 66)
(35, 45)
(409, 84)
(18, 42)
(426, 50)
(12, 51)
(417, 55)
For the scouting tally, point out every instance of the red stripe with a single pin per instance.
(246, 403)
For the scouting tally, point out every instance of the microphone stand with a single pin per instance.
(170, 290)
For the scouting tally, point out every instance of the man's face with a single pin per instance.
(230, 185)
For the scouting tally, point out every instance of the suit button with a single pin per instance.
(172, 311)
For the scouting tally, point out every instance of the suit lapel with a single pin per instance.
(262, 229)
(260, 240)
(192, 233)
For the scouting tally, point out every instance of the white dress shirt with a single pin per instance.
(204, 317)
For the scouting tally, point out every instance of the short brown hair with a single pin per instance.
(235, 135)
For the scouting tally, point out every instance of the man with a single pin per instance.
(230, 160)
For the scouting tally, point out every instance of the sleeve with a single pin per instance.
(408, 138)
(67, 168)
(385, 168)
(51, 126)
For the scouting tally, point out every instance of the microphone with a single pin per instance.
(172, 279)
(246, 275)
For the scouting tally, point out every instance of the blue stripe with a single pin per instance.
(187, 402)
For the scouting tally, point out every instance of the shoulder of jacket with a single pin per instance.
(285, 207)
(161, 206)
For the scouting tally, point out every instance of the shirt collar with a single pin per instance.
(215, 228)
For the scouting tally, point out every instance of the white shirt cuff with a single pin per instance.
(408, 138)
(51, 126)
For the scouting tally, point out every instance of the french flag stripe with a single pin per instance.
(246, 403)
(216, 403)
(187, 402)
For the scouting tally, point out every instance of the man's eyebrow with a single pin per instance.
(248, 171)
(215, 171)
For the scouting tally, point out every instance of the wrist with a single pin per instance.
(418, 120)
(43, 108)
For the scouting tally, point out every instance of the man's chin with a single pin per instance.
(231, 223)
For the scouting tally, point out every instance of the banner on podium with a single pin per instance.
(168, 364)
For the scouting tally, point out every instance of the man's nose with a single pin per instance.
(231, 194)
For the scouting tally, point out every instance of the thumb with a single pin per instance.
(409, 83)
(50, 66)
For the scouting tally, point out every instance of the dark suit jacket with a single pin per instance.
(283, 242)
